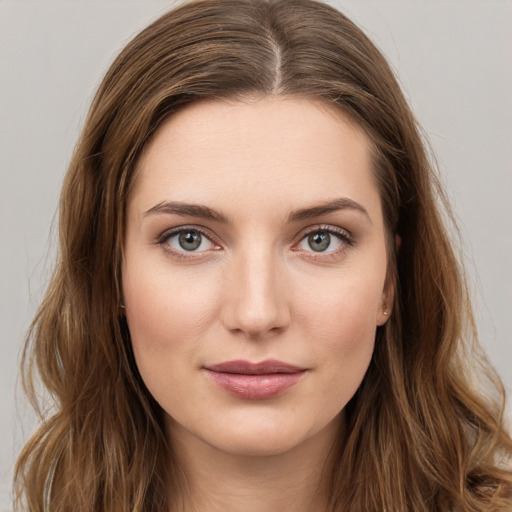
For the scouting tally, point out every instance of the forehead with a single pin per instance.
(281, 150)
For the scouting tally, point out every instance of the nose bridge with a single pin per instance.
(255, 301)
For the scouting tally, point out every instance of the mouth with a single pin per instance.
(255, 381)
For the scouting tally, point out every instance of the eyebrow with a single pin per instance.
(187, 209)
(204, 212)
(342, 203)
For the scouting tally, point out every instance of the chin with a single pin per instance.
(265, 438)
(261, 444)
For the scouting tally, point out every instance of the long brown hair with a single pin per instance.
(422, 435)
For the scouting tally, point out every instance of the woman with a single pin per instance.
(257, 305)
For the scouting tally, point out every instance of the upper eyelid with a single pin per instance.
(323, 227)
(178, 229)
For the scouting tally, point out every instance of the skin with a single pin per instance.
(255, 290)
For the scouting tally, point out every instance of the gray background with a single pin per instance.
(453, 58)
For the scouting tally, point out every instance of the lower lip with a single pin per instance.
(255, 387)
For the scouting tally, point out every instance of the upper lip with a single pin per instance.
(268, 366)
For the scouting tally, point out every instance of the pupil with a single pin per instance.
(319, 241)
(190, 240)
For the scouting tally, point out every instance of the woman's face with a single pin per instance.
(255, 271)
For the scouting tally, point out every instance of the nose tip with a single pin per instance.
(256, 302)
(256, 320)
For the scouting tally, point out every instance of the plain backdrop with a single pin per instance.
(453, 59)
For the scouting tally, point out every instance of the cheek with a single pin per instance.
(341, 322)
(166, 315)
(342, 303)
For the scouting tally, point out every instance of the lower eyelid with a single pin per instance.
(180, 249)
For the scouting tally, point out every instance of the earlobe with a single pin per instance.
(388, 293)
(386, 306)
(383, 315)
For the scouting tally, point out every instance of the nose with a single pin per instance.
(256, 299)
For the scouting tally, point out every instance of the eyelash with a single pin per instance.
(163, 239)
(342, 235)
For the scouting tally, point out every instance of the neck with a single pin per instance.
(297, 480)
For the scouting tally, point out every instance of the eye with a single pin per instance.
(324, 240)
(187, 240)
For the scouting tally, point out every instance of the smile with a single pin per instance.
(255, 381)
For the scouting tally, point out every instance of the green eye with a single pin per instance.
(319, 241)
(189, 240)
(325, 240)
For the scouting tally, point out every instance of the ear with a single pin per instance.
(388, 292)
(386, 305)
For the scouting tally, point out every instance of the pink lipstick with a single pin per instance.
(255, 381)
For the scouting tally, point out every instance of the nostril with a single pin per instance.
(274, 321)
